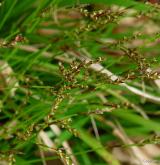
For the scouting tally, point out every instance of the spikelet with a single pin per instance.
(64, 157)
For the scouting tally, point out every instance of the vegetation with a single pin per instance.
(79, 82)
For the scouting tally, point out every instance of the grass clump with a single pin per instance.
(79, 82)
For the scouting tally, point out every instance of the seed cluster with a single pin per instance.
(69, 76)
(27, 134)
(71, 82)
(136, 57)
(133, 54)
(66, 125)
(143, 65)
(8, 156)
(152, 140)
(98, 18)
(64, 157)
(101, 16)
(9, 44)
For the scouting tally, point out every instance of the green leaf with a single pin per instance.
(97, 147)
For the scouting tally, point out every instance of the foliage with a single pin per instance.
(81, 74)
